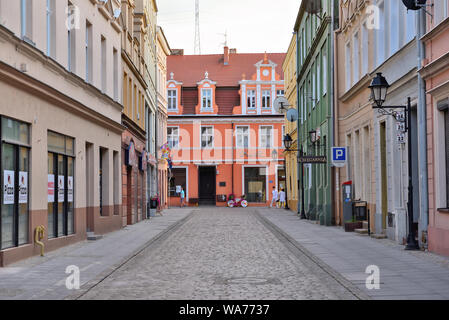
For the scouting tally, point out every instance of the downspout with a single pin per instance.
(156, 122)
(422, 135)
(298, 128)
(332, 106)
(232, 165)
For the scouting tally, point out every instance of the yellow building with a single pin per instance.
(289, 67)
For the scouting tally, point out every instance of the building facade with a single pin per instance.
(291, 158)
(222, 129)
(315, 102)
(60, 123)
(435, 72)
(137, 158)
(163, 51)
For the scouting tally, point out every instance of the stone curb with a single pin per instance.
(359, 294)
(105, 274)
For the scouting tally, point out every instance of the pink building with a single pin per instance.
(435, 72)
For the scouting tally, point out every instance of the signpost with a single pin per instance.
(339, 157)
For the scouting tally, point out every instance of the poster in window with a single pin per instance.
(255, 186)
(8, 187)
(23, 187)
(70, 189)
(51, 189)
(60, 188)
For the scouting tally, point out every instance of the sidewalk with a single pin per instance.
(44, 277)
(403, 274)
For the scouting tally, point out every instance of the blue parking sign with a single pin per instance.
(339, 156)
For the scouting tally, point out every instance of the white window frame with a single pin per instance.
(243, 135)
(173, 137)
(262, 134)
(206, 94)
(365, 49)
(207, 135)
(266, 99)
(251, 99)
(355, 58)
(173, 99)
(324, 67)
(318, 79)
(314, 100)
(348, 68)
(280, 93)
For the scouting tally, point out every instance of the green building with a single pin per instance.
(314, 33)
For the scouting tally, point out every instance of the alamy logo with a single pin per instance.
(373, 280)
(73, 280)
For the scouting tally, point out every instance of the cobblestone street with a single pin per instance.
(219, 254)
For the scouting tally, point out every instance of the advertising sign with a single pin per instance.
(51, 189)
(23, 187)
(8, 187)
(60, 188)
(70, 189)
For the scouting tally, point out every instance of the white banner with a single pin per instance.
(60, 188)
(23, 187)
(70, 189)
(51, 188)
(8, 187)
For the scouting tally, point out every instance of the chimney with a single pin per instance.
(226, 55)
(177, 52)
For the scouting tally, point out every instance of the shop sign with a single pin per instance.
(60, 189)
(23, 187)
(70, 189)
(312, 159)
(51, 189)
(8, 187)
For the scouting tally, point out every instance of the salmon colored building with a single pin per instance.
(435, 72)
(224, 133)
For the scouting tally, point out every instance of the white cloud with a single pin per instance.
(251, 25)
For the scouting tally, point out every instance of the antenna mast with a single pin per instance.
(197, 27)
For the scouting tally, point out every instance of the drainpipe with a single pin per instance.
(232, 166)
(300, 182)
(332, 106)
(156, 122)
(422, 135)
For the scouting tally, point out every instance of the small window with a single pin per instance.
(280, 93)
(172, 99)
(206, 98)
(173, 137)
(266, 99)
(207, 137)
(251, 99)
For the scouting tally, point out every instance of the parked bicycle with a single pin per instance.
(237, 202)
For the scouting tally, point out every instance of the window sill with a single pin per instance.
(443, 210)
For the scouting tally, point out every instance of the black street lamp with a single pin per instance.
(288, 142)
(379, 89)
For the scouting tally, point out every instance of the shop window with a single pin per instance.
(178, 180)
(256, 184)
(61, 169)
(15, 153)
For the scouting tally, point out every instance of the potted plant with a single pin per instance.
(353, 224)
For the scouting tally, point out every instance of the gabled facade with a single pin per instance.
(224, 134)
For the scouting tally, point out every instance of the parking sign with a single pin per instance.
(339, 156)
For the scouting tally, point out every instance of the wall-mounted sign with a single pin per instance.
(8, 187)
(60, 189)
(339, 156)
(130, 155)
(51, 189)
(23, 187)
(70, 189)
(312, 159)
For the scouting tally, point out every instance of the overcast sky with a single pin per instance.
(251, 25)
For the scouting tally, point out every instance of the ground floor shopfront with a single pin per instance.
(59, 168)
(134, 174)
(212, 184)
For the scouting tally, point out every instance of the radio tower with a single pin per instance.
(197, 27)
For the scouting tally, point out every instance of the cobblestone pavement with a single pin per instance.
(220, 253)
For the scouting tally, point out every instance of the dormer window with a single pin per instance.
(172, 96)
(251, 99)
(266, 99)
(206, 99)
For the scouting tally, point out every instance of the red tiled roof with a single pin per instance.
(190, 69)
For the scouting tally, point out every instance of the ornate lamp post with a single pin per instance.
(379, 90)
(288, 141)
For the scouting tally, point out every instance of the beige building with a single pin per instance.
(163, 50)
(290, 74)
(60, 123)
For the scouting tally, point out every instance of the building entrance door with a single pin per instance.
(207, 185)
